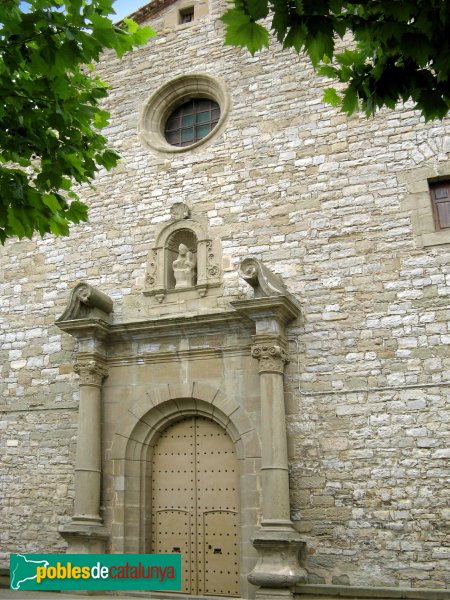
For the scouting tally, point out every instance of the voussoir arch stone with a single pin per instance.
(167, 403)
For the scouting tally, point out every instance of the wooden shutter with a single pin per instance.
(440, 199)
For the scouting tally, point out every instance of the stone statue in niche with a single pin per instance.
(184, 268)
(183, 257)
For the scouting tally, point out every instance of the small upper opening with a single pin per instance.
(186, 15)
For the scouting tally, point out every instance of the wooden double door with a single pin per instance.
(195, 505)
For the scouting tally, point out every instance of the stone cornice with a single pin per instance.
(214, 321)
(280, 308)
(96, 335)
(149, 10)
(85, 328)
(192, 353)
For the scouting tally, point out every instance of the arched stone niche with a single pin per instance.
(188, 239)
(188, 234)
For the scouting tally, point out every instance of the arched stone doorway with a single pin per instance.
(195, 504)
(133, 451)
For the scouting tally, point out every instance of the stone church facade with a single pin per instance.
(244, 356)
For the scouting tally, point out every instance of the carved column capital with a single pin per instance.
(272, 357)
(90, 372)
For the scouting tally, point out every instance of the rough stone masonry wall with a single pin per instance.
(316, 196)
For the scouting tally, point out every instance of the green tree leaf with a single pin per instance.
(235, 17)
(258, 9)
(402, 49)
(350, 101)
(320, 46)
(51, 201)
(296, 37)
(330, 96)
(242, 31)
(50, 120)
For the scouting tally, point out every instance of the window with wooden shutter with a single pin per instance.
(440, 200)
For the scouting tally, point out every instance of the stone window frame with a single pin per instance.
(418, 202)
(160, 105)
(172, 19)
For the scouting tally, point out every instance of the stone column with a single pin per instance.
(88, 458)
(87, 317)
(277, 542)
(86, 533)
(274, 464)
(278, 568)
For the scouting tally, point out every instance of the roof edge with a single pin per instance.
(148, 10)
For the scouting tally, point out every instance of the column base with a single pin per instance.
(84, 537)
(278, 564)
(274, 594)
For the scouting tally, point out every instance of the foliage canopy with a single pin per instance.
(50, 118)
(401, 48)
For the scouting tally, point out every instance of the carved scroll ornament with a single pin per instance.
(152, 268)
(86, 301)
(262, 279)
